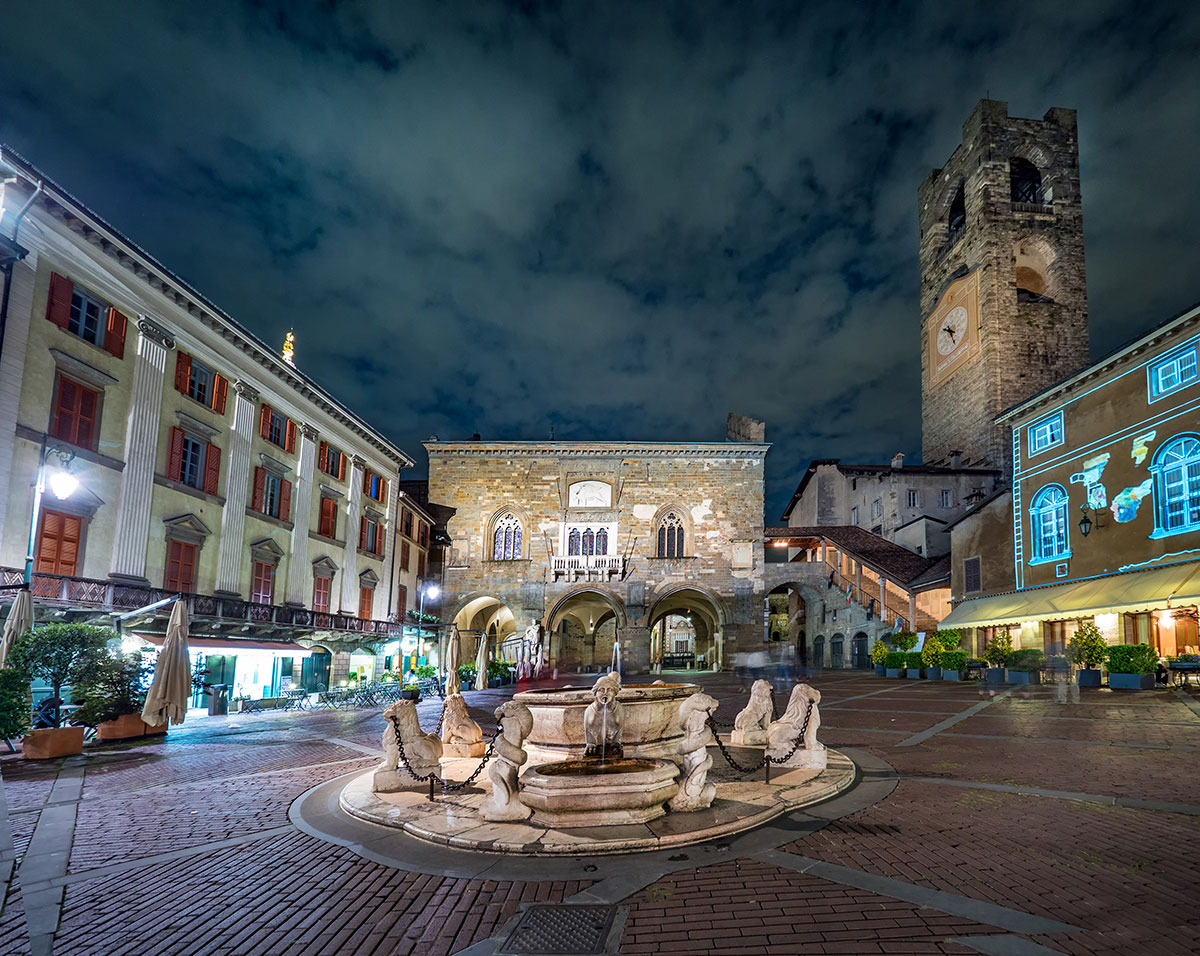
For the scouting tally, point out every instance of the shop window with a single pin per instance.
(262, 582)
(1176, 471)
(200, 383)
(327, 523)
(76, 409)
(1046, 433)
(1172, 373)
(181, 567)
(85, 315)
(59, 543)
(277, 428)
(1048, 519)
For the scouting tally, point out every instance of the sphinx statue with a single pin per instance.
(461, 736)
(421, 751)
(603, 718)
(695, 792)
(750, 726)
(502, 804)
(799, 723)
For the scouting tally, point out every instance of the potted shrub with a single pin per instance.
(14, 703)
(1025, 666)
(59, 654)
(893, 664)
(953, 663)
(1131, 666)
(410, 692)
(466, 674)
(1087, 650)
(914, 666)
(112, 694)
(996, 654)
(931, 657)
(879, 655)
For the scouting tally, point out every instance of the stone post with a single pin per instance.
(141, 450)
(12, 373)
(237, 489)
(299, 579)
(349, 602)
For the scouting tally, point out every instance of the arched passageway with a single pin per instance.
(685, 625)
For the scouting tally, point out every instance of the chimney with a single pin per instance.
(956, 459)
(898, 460)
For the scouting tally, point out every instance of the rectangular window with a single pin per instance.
(914, 498)
(401, 601)
(876, 508)
(406, 521)
(366, 602)
(423, 535)
(374, 486)
(946, 498)
(327, 525)
(86, 315)
(331, 461)
(193, 462)
(191, 470)
(971, 575)
(272, 495)
(74, 419)
(405, 548)
(322, 588)
(262, 583)
(181, 567)
(58, 543)
(277, 428)
(1046, 433)
(200, 383)
(854, 515)
(370, 536)
(1173, 372)
(420, 564)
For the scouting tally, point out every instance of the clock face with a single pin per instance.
(952, 332)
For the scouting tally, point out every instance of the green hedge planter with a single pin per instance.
(933, 673)
(948, 674)
(1088, 677)
(996, 675)
(1024, 677)
(894, 671)
(880, 670)
(1130, 681)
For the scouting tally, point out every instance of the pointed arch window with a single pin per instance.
(506, 539)
(602, 541)
(1048, 518)
(573, 540)
(670, 536)
(1176, 471)
(957, 220)
(589, 541)
(1026, 181)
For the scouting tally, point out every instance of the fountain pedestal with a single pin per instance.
(591, 793)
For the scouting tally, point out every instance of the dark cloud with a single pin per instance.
(619, 220)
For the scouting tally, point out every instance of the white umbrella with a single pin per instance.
(453, 652)
(168, 696)
(481, 663)
(20, 620)
(539, 661)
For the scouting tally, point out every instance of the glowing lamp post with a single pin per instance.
(62, 485)
(432, 590)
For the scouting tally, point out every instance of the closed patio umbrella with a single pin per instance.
(20, 620)
(168, 696)
(453, 653)
(481, 663)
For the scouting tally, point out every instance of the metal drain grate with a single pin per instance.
(562, 929)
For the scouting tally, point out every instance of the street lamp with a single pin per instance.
(432, 590)
(62, 483)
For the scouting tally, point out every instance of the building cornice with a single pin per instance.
(476, 449)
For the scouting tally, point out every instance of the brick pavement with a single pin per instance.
(1122, 875)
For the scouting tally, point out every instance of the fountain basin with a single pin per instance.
(651, 727)
(593, 793)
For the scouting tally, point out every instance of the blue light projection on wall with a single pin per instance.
(1125, 505)
(1093, 468)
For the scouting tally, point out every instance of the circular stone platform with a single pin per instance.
(742, 803)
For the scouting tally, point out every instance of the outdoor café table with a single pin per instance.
(1184, 673)
(364, 698)
(295, 700)
(327, 698)
(388, 693)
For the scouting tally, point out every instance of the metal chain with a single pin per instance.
(487, 755)
(404, 760)
(441, 719)
(740, 768)
(433, 775)
(774, 714)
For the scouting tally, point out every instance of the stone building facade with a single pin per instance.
(603, 541)
(1003, 293)
(207, 465)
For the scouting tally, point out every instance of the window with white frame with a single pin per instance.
(854, 515)
(946, 498)
(1048, 521)
(1173, 372)
(1176, 471)
(1046, 433)
(914, 498)
(877, 508)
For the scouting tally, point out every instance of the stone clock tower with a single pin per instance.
(1003, 298)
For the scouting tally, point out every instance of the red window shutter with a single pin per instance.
(264, 420)
(366, 481)
(86, 422)
(64, 413)
(289, 441)
(175, 455)
(362, 533)
(328, 525)
(58, 308)
(323, 456)
(341, 466)
(405, 550)
(402, 601)
(383, 489)
(321, 589)
(114, 335)
(258, 499)
(183, 372)
(420, 564)
(212, 468)
(58, 544)
(285, 500)
(220, 391)
(366, 601)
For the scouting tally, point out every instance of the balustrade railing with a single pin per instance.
(579, 564)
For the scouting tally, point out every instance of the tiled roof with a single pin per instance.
(877, 553)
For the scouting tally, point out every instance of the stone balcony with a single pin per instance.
(587, 567)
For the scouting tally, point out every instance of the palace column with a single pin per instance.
(237, 489)
(299, 580)
(141, 449)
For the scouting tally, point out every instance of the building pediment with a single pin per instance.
(187, 528)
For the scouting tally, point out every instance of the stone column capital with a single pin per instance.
(246, 390)
(308, 431)
(358, 461)
(155, 332)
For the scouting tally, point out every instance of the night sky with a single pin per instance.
(618, 220)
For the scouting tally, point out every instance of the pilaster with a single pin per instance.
(349, 601)
(299, 580)
(237, 485)
(12, 372)
(141, 450)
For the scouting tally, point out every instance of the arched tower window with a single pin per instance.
(670, 536)
(602, 541)
(506, 539)
(573, 541)
(957, 221)
(1176, 472)
(1026, 181)
(1048, 517)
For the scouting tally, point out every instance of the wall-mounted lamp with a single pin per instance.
(1086, 523)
